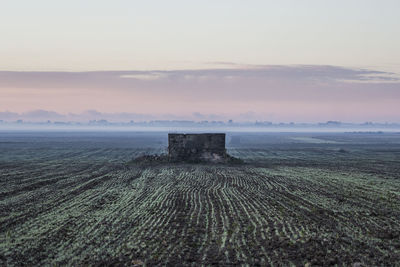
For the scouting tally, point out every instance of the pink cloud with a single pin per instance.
(295, 93)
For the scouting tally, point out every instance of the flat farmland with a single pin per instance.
(298, 199)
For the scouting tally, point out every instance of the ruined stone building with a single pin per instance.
(197, 147)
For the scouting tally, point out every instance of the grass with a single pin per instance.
(70, 199)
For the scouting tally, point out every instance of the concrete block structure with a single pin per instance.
(205, 147)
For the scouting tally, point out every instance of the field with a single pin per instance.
(299, 199)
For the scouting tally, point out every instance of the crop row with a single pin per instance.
(88, 208)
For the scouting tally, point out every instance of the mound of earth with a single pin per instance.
(164, 158)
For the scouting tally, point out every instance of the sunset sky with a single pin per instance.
(246, 60)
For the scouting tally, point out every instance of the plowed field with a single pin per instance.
(75, 199)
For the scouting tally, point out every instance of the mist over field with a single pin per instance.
(200, 133)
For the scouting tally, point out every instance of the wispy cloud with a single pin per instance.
(150, 76)
(268, 72)
(295, 91)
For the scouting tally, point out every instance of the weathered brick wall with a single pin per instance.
(197, 147)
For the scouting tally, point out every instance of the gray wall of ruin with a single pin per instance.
(196, 147)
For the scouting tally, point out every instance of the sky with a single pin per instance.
(259, 60)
